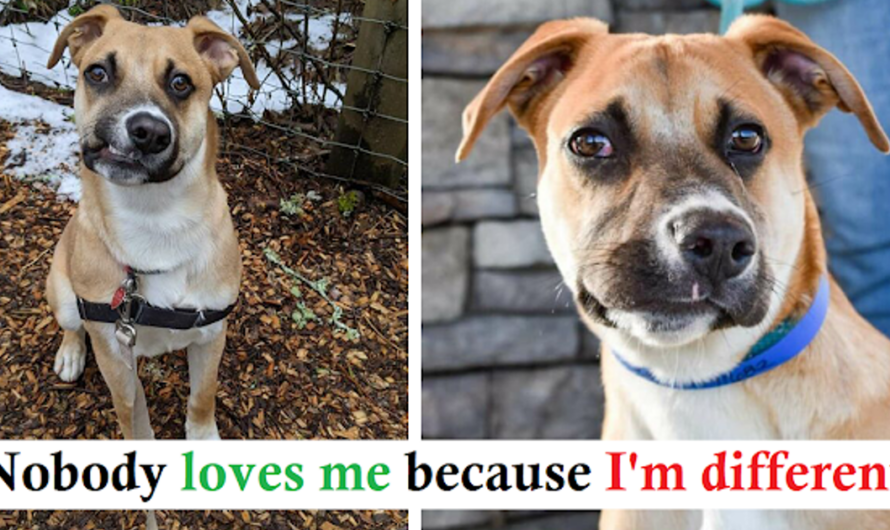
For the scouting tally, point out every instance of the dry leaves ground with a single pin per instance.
(207, 520)
(279, 379)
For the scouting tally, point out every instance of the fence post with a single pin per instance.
(375, 108)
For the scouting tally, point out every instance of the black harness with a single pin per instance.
(129, 307)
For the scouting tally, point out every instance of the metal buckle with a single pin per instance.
(124, 330)
(125, 333)
(126, 309)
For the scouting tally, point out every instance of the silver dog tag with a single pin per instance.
(125, 334)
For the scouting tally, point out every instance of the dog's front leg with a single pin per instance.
(71, 357)
(204, 361)
(72, 353)
(123, 381)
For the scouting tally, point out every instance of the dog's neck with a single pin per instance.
(158, 226)
(811, 264)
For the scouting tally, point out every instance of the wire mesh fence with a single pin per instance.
(305, 56)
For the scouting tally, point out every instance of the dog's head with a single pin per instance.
(671, 186)
(143, 92)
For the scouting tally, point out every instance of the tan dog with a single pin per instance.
(674, 200)
(151, 202)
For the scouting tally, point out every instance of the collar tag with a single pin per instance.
(118, 297)
(794, 341)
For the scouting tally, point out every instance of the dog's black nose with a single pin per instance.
(148, 133)
(717, 245)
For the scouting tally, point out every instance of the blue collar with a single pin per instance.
(777, 347)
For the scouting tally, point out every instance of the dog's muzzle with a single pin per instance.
(703, 272)
(135, 148)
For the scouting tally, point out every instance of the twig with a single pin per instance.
(35, 260)
(304, 42)
(11, 203)
(382, 336)
(260, 46)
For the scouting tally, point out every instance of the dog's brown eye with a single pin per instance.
(97, 74)
(746, 139)
(589, 143)
(180, 85)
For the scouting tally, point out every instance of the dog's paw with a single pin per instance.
(70, 360)
(201, 432)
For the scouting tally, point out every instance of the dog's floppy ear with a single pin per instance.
(537, 66)
(81, 32)
(811, 79)
(221, 51)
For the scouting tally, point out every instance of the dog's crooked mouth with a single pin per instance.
(127, 167)
(109, 154)
(661, 316)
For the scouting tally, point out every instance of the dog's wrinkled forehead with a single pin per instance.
(147, 67)
(667, 114)
(569, 68)
(671, 92)
(112, 53)
(669, 107)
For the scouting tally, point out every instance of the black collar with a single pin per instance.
(142, 313)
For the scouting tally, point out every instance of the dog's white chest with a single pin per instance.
(163, 244)
(724, 413)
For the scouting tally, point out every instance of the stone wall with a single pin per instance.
(504, 354)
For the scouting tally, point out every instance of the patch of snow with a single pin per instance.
(45, 146)
(226, 19)
(28, 47)
(16, 107)
(274, 96)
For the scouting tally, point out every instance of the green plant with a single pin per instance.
(303, 315)
(293, 205)
(347, 202)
